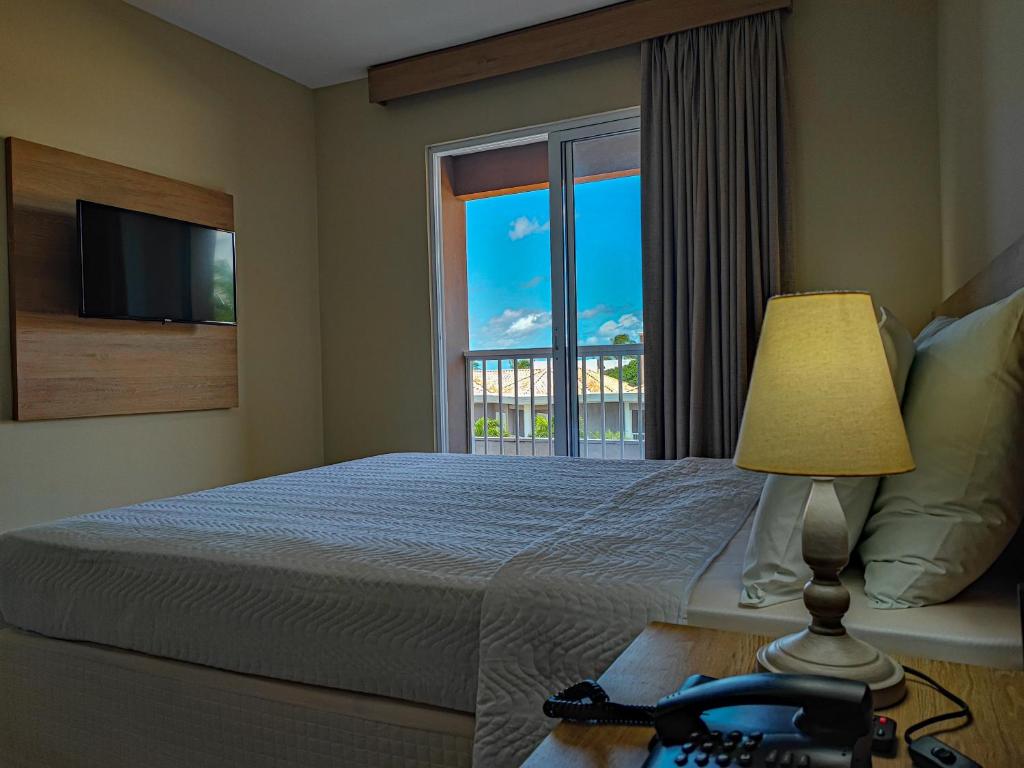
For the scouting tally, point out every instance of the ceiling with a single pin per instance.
(322, 42)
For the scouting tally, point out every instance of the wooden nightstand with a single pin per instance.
(664, 655)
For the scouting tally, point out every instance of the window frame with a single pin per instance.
(564, 336)
(559, 136)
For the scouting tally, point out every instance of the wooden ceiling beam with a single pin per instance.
(602, 29)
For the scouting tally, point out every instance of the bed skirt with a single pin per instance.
(78, 705)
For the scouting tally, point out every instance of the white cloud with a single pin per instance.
(530, 323)
(533, 282)
(592, 312)
(524, 227)
(628, 323)
(505, 319)
(515, 324)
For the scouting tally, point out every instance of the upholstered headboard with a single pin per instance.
(1001, 277)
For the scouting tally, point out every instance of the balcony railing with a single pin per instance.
(511, 396)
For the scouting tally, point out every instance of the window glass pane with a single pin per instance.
(609, 295)
(498, 300)
(508, 269)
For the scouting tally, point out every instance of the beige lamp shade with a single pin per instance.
(821, 399)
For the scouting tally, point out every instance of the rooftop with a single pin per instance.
(513, 379)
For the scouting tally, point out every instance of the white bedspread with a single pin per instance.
(403, 575)
(366, 576)
(562, 609)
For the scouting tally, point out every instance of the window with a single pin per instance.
(537, 292)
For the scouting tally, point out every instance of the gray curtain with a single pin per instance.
(715, 224)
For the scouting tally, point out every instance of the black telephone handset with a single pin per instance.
(764, 721)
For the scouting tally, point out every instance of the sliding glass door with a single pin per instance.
(538, 301)
(596, 289)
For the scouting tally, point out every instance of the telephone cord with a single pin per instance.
(964, 711)
(588, 702)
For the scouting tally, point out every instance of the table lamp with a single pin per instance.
(822, 404)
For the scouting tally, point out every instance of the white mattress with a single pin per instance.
(76, 705)
(981, 626)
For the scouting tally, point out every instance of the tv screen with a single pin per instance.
(138, 266)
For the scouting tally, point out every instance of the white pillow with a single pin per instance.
(773, 567)
(937, 529)
(936, 325)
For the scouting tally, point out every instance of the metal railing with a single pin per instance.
(510, 400)
(616, 432)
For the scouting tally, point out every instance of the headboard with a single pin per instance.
(1001, 277)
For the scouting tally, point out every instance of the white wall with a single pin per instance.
(981, 119)
(865, 194)
(104, 79)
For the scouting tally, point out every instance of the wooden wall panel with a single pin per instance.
(66, 366)
(601, 29)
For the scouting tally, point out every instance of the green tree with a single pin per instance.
(595, 434)
(524, 364)
(541, 428)
(629, 373)
(623, 338)
(494, 429)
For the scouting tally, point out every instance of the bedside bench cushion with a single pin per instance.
(980, 626)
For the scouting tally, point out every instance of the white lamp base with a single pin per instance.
(806, 653)
(824, 647)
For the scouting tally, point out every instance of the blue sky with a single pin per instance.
(509, 266)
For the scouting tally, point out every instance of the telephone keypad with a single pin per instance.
(736, 749)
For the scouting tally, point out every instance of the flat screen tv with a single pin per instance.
(137, 266)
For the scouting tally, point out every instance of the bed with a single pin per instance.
(430, 589)
(404, 610)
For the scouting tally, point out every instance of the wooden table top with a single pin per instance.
(664, 655)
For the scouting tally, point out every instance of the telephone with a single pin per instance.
(802, 721)
(759, 720)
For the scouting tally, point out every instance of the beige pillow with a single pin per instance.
(773, 567)
(937, 529)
